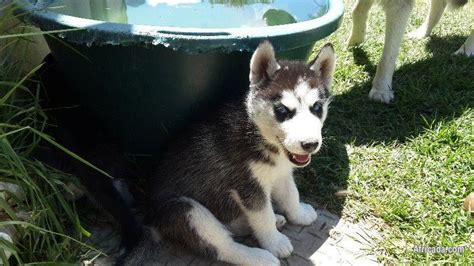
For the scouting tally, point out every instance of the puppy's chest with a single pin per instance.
(267, 174)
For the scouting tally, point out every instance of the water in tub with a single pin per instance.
(192, 13)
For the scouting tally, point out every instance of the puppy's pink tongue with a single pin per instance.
(300, 158)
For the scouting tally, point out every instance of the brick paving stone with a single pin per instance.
(291, 233)
(328, 241)
(296, 260)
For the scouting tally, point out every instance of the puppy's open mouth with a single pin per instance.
(298, 159)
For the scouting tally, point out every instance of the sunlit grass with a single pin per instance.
(408, 165)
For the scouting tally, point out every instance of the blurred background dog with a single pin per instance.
(397, 13)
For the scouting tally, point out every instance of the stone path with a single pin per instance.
(328, 241)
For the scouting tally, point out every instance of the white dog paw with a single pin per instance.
(306, 215)
(280, 221)
(355, 39)
(278, 244)
(259, 256)
(419, 33)
(381, 95)
(463, 50)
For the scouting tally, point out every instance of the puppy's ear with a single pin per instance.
(324, 64)
(263, 64)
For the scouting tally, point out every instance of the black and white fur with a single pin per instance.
(397, 13)
(223, 177)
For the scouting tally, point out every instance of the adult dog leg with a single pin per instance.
(397, 14)
(436, 11)
(468, 47)
(359, 21)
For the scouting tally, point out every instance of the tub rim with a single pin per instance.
(191, 40)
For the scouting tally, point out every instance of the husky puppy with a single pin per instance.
(397, 13)
(224, 176)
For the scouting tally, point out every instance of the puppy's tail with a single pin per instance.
(146, 252)
(453, 4)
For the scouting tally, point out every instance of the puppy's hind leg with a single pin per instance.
(359, 22)
(436, 11)
(280, 221)
(397, 14)
(241, 226)
(190, 224)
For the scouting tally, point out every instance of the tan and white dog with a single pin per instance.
(397, 13)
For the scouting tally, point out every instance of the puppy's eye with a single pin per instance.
(282, 112)
(317, 108)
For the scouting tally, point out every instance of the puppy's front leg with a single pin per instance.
(287, 200)
(263, 224)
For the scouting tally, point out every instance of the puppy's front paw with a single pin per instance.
(381, 95)
(306, 215)
(278, 244)
(280, 221)
(258, 256)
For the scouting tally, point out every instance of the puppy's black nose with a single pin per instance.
(309, 146)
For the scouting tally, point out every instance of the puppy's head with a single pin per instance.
(288, 100)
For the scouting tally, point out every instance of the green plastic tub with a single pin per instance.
(145, 77)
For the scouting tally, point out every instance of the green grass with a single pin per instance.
(45, 226)
(407, 165)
